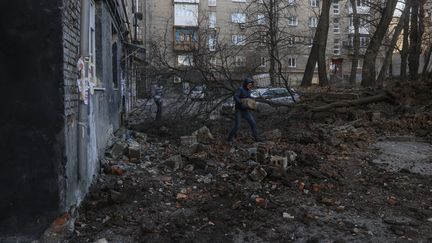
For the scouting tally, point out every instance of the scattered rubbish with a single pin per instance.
(258, 174)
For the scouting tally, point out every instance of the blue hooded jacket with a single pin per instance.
(242, 93)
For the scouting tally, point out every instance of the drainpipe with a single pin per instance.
(83, 109)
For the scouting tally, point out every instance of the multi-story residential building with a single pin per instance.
(180, 27)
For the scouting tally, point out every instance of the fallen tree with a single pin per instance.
(383, 96)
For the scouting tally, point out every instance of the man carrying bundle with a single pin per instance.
(243, 104)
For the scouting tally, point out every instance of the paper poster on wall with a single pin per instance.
(83, 89)
(80, 66)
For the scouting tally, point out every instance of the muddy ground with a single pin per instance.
(357, 174)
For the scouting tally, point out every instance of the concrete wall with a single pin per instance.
(104, 106)
(32, 120)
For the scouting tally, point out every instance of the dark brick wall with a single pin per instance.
(32, 120)
(71, 53)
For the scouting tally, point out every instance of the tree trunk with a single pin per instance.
(414, 51)
(273, 20)
(322, 42)
(405, 45)
(388, 55)
(318, 50)
(356, 43)
(369, 61)
(310, 65)
(427, 61)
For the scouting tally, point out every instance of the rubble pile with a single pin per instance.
(312, 180)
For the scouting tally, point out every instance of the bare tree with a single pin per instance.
(356, 43)
(405, 44)
(369, 66)
(388, 55)
(415, 38)
(318, 50)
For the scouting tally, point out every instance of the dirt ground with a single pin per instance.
(352, 174)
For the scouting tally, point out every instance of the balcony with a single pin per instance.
(360, 10)
(363, 30)
(185, 39)
(185, 46)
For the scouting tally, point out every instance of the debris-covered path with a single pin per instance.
(312, 181)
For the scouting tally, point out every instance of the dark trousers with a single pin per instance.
(158, 110)
(245, 114)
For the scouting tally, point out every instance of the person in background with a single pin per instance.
(242, 111)
(157, 97)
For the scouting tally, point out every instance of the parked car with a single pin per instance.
(277, 95)
(198, 92)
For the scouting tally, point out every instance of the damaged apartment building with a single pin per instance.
(69, 72)
(185, 27)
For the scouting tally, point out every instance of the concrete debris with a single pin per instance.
(258, 174)
(274, 135)
(315, 172)
(279, 162)
(116, 170)
(203, 135)
(103, 240)
(174, 162)
(286, 215)
(118, 149)
(188, 140)
(401, 220)
(134, 151)
(262, 153)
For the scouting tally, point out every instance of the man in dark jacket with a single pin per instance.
(242, 111)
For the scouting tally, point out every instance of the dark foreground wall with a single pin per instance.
(31, 121)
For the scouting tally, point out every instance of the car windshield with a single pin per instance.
(198, 88)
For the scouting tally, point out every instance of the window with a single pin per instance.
(212, 19)
(212, 3)
(115, 64)
(185, 60)
(313, 22)
(261, 19)
(212, 43)
(336, 26)
(239, 18)
(314, 3)
(292, 21)
(238, 40)
(364, 41)
(311, 41)
(239, 61)
(291, 41)
(213, 61)
(263, 62)
(185, 36)
(362, 3)
(263, 40)
(336, 47)
(185, 14)
(292, 62)
(335, 6)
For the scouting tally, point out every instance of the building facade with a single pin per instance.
(242, 27)
(70, 71)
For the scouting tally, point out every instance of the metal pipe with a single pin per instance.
(83, 109)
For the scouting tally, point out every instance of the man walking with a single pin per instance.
(242, 111)
(157, 97)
